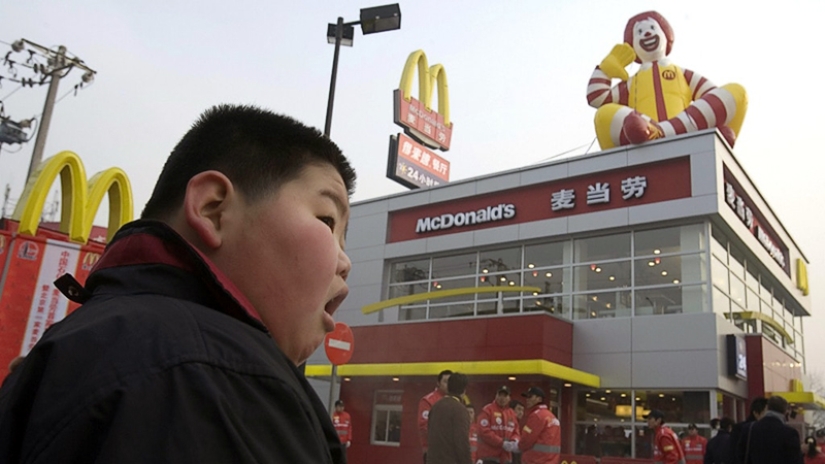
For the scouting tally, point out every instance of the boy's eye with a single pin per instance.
(329, 221)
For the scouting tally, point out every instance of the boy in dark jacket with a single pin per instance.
(196, 317)
(448, 431)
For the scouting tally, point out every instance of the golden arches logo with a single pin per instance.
(90, 260)
(432, 128)
(428, 77)
(801, 276)
(80, 198)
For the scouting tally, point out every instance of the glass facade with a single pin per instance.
(746, 295)
(642, 273)
(611, 422)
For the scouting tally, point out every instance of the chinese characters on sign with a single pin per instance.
(49, 305)
(740, 206)
(414, 165)
(599, 192)
(426, 125)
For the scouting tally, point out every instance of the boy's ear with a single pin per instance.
(209, 196)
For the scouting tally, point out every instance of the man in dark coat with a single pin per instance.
(758, 407)
(195, 318)
(448, 431)
(719, 450)
(771, 440)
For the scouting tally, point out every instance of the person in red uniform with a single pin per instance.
(666, 448)
(498, 430)
(541, 435)
(426, 404)
(471, 410)
(343, 424)
(694, 446)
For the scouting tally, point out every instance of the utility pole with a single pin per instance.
(59, 65)
(48, 108)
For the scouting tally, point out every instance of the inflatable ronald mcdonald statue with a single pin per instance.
(661, 99)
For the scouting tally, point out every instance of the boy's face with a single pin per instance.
(289, 258)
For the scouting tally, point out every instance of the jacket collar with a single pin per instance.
(151, 245)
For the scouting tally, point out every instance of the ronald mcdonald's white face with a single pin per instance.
(649, 40)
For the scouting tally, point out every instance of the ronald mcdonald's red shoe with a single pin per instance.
(637, 129)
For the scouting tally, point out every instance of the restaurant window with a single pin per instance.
(500, 260)
(386, 418)
(547, 254)
(737, 290)
(737, 262)
(671, 300)
(602, 248)
(412, 313)
(551, 304)
(555, 280)
(680, 407)
(721, 302)
(458, 265)
(666, 270)
(719, 245)
(719, 275)
(604, 422)
(603, 405)
(410, 271)
(602, 305)
(679, 239)
(601, 276)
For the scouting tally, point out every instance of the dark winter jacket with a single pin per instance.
(719, 450)
(774, 442)
(165, 362)
(448, 432)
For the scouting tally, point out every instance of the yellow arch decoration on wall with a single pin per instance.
(753, 315)
(373, 307)
(428, 78)
(80, 199)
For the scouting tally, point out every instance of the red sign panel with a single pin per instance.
(339, 344)
(631, 186)
(426, 126)
(414, 166)
(755, 221)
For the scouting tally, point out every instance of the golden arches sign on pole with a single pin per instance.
(80, 198)
(419, 120)
(428, 78)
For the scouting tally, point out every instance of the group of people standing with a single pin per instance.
(764, 438)
(451, 433)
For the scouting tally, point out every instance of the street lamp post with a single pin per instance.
(372, 20)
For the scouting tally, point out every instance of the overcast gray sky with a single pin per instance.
(517, 73)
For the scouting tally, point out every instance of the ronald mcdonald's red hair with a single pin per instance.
(628, 30)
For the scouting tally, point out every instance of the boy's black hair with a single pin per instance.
(457, 384)
(443, 373)
(256, 149)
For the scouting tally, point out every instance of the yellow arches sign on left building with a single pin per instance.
(80, 198)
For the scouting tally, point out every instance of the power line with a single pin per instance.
(11, 93)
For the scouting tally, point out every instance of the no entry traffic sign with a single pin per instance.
(339, 344)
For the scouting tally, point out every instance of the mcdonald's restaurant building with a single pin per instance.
(649, 277)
